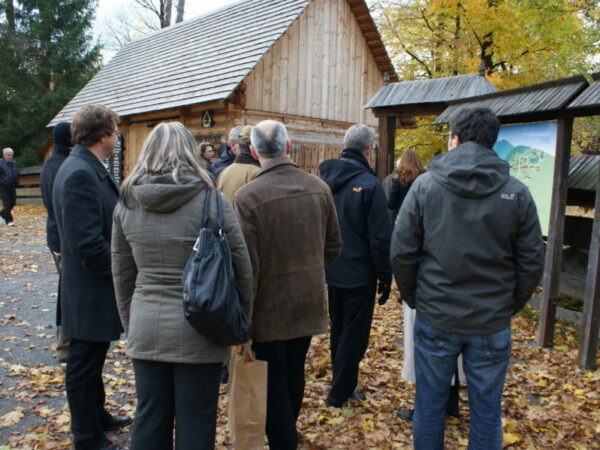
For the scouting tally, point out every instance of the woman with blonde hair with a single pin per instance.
(155, 226)
(408, 169)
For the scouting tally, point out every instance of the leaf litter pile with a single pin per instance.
(548, 401)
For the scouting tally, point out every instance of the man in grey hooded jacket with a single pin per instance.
(467, 253)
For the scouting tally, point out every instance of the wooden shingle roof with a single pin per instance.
(583, 172)
(202, 59)
(589, 100)
(436, 90)
(529, 103)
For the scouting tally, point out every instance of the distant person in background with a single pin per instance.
(408, 169)
(9, 180)
(61, 136)
(387, 185)
(208, 154)
(243, 170)
(227, 152)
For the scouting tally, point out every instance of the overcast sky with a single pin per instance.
(107, 8)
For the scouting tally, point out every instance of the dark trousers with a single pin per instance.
(85, 392)
(285, 388)
(9, 200)
(184, 393)
(351, 314)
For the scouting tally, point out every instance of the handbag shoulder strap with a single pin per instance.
(206, 211)
(219, 211)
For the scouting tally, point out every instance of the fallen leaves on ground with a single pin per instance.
(548, 401)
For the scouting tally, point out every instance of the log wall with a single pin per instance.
(321, 68)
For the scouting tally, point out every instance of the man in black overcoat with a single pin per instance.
(84, 198)
(61, 135)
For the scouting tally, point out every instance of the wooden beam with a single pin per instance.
(590, 324)
(553, 261)
(387, 142)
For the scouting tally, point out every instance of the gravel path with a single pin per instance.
(33, 407)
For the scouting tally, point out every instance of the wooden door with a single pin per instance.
(136, 134)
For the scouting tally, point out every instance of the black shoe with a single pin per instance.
(358, 396)
(406, 414)
(334, 403)
(112, 423)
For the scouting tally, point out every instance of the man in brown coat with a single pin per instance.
(290, 225)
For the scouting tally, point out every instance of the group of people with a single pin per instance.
(310, 254)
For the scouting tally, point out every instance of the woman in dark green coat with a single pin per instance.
(156, 223)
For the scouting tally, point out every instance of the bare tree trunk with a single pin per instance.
(10, 15)
(168, 8)
(180, 10)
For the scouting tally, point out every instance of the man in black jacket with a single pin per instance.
(83, 199)
(61, 136)
(9, 180)
(467, 253)
(364, 266)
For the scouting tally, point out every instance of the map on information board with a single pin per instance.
(530, 149)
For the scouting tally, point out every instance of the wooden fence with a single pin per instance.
(29, 190)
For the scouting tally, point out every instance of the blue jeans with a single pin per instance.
(485, 358)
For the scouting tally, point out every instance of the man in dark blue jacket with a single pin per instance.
(61, 136)
(228, 151)
(84, 196)
(364, 265)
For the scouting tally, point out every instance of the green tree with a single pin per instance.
(520, 42)
(46, 59)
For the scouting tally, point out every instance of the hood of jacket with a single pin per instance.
(337, 172)
(160, 194)
(470, 170)
(61, 150)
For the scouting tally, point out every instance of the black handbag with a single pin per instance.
(211, 296)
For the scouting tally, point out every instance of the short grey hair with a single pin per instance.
(359, 136)
(8, 150)
(269, 138)
(234, 134)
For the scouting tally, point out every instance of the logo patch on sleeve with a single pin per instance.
(507, 196)
(357, 189)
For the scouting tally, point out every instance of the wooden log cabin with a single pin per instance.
(312, 64)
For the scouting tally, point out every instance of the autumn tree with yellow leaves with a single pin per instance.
(516, 42)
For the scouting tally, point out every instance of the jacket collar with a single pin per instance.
(245, 158)
(354, 155)
(276, 162)
(84, 153)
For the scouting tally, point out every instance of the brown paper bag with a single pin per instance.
(247, 410)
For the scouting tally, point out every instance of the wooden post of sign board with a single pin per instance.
(553, 261)
(590, 324)
(387, 143)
